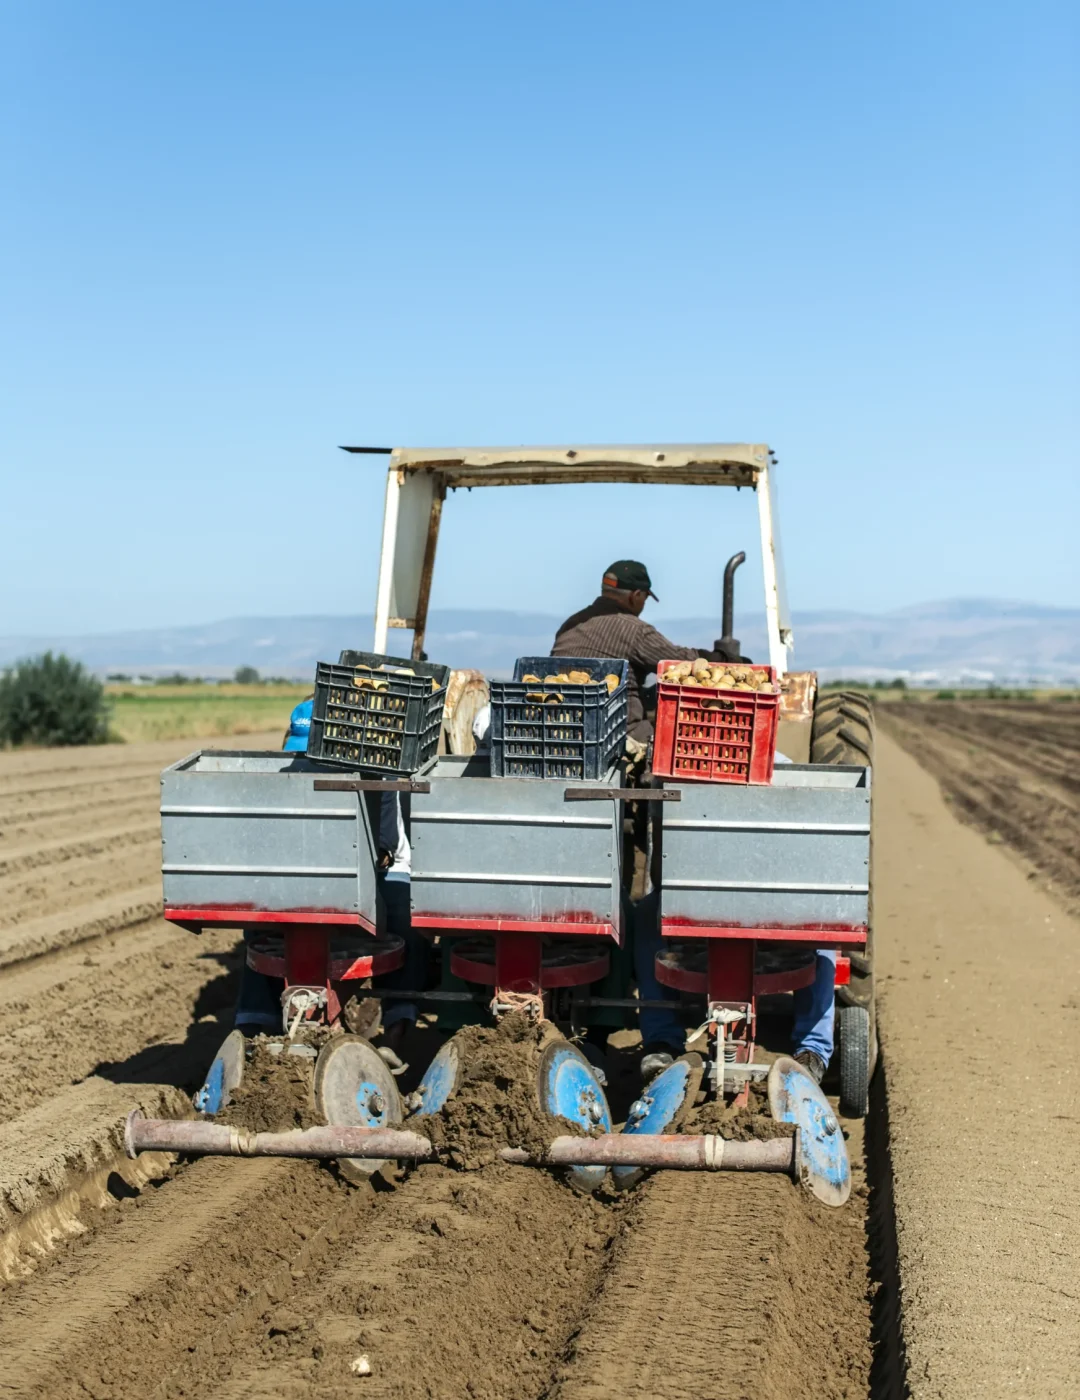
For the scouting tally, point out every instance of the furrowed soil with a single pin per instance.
(1010, 769)
(264, 1277)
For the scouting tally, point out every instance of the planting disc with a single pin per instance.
(223, 1076)
(354, 1088)
(569, 1088)
(822, 1152)
(440, 1079)
(660, 1107)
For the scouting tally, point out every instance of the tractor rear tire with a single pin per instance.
(853, 1031)
(843, 729)
(843, 734)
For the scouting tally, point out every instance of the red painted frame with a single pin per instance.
(560, 929)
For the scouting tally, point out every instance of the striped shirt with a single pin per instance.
(606, 629)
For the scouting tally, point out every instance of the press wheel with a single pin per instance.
(354, 1088)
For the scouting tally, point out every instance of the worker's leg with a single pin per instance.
(658, 1028)
(814, 1010)
(395, 890)
(258, 1006)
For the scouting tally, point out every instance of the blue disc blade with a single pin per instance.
(224, 1075)
(658, 1107)
(823, 1159)
(569, 1088)
(440, 1080)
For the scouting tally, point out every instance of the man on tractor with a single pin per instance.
(612, 626)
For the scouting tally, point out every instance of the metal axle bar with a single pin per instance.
(675, 1151)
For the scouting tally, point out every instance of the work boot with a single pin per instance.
(656, 1057)
(813, 1064)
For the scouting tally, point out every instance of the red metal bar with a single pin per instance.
(572, 975)
(518, 963)
(239, 917)
(832, 937)
(307, 955)
(555, 928)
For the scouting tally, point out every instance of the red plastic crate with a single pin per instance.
(735, 743)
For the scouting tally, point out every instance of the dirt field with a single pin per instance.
(1009, 768)
(270, 1278)
(259, 1278)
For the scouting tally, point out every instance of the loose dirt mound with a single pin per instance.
(495, 1104)
(276, 1093)
(737, 1124)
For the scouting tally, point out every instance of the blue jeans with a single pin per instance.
(657, 1027)
(412, 974)
(259, 1000)
(815, 1009)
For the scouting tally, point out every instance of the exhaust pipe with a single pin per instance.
(728, 644)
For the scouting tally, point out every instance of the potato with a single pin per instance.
(678, 672)
(613, 682)
(699, 666)
(579, 678)
(530, 680)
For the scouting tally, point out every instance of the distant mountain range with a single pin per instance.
(964, 639)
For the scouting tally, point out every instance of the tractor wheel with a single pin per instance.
(843, 729)
(854, 1034)
(843, 733)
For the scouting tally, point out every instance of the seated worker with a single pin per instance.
(611, 626)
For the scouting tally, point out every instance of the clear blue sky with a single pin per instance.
(233, 235)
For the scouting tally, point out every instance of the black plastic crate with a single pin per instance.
(574, 731)
(366, 718)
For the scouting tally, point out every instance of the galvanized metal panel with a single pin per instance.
(248, 831)
(488, 848)
(793, 855)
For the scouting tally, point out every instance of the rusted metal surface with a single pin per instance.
(702, 464)
(426, 570)
(674, 1151)
(701, 1152)
(221, 1140)
(798, 690)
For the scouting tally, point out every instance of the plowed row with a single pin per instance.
(1009, 768)
(270, 1278)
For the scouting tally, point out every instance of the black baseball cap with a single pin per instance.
(629, 574)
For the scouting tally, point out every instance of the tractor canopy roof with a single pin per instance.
(681, 464)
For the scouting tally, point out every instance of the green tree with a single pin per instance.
(52, 700)
(246, 675)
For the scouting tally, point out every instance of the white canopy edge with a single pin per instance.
(682, 464)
